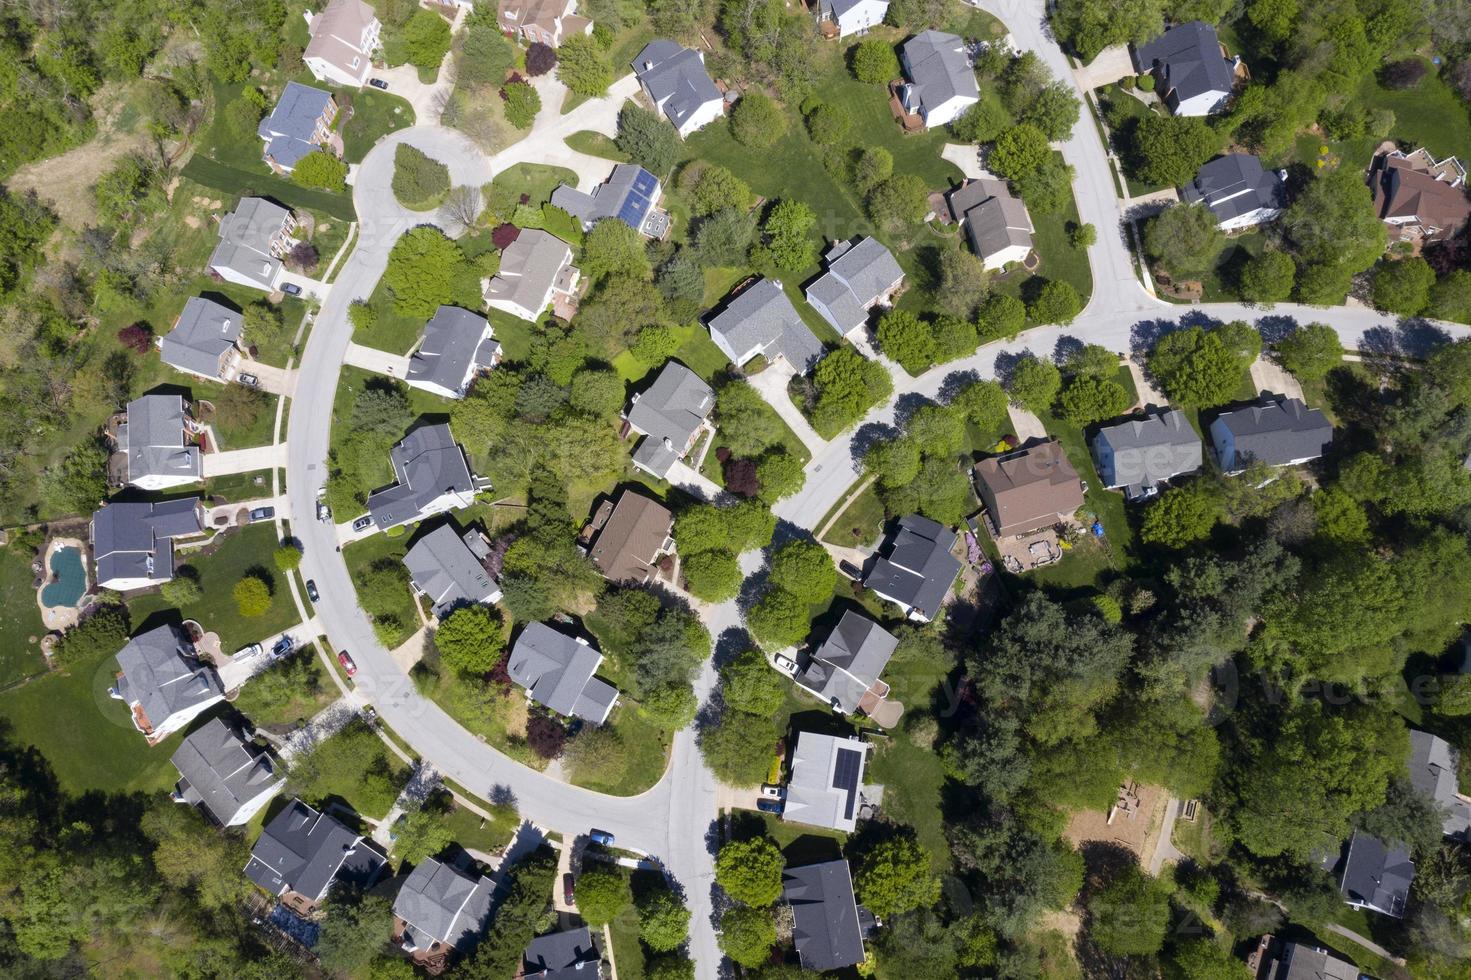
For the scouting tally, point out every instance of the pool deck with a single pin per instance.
(61, 617)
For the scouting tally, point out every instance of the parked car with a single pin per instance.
(311, 590)
(786, 665)
(363, 523)
(324, 513)
(770, 806)
(345, 659)
(601, 837)
(379, 84)
(249, 380)
(263, 513)
(290, 289)
(283, 646)
(771, 791)
(249, 651)
(851, 570)
(567, 890)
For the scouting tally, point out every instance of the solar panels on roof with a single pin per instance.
(845, 777)
(644, 183)
(635, 206)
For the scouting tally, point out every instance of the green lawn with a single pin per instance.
(265, 708)
(364, 554)
(627, 43)
(596, 144)
(628, 953)
(912, 778)
(1059, 259)
(86, 736)
(249, 548)
(789, 441)
(473, 832)
(391, 331)
(374, 115)
(353, 767)
(647, 748)
(534, 181)
(861, 522)
(240, 182)
(20, 618)
(513, 333)
(498, 717)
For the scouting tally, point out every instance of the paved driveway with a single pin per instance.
(1112, 64)
(772, 383)
(243, 460)
(377, 361)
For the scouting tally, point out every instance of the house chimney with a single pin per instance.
(648, 65)
(225, 325)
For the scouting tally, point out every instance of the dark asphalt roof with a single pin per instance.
(291, 125)
(826, 929)
(218, 772)
(761, 315)
(1377, 874)
(161, 675)
(561, 955)
(455, 345)
(849, 661)
(1235, 184)
(1276, 432)
(204, 332)
(1189, 55)
(427, 463)
(443, 567)
(917, 568)
(441, 904)
(1147, 450)
(305, 851)
(558, 672)
(676, 78)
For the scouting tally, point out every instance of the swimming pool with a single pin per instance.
(71, 579)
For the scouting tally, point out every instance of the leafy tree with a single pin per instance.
(423, 832)
(907, 339)
(522, 103)
(1020, 150)
(805, 569)
(100, 634)
(1170, 149)
(356, 929)
(613, 248)
(656, 343)
(540, 59)
(598, 752)
(1184, 239)
(1195, 367)
(875, 165)
(1034, 384)
(1268, 278)
(518, 918)
(954, 338)
(1450, 297)
(670, 968)
(740, 749)
(1180, 517)
(749, 684)
(79, 482)
(1001, 317)
(421, 271)
(982, 402)
(1056, 302)
(828, 124)
(1402, 287)
(787, 243)
(320, 169)
(470, 639)
(1130, 916)
(898, 201)
(287, 557)
(895, 876)
(663, 920)
(963, 280)
(1088, 399)
(1310, 352)
(757, 121)
(713, 576)
(426, 39)
(750, 870)
(874, 61)
(780, 474)
(1054, 110)
(1332, 222)
(747, 935)
(1082, 236)
(779, 620)
(181, 590)
(1205, 959)
(130, 190)
(981, 123)
(602, 893)
(724, 237)
(582, 66)
(713, 188)
(648, 139)
(748, 425)
(1089, 26)
(1048, 189)
(252, 596)
(848, 384)
(484, 56)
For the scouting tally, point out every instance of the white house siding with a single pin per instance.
(948, 111)
(1012, 253)
(1202, 105)
(862, 17)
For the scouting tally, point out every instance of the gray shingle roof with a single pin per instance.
(1235, 184)
(1377, 875)
(134, 540)
(455, 345)
(857, 275)
(1145, 451)
(1275, 432)
(918, 568)
(675, 74)
(304, 851)
(161, 676)
(994, 220)
(849, 662)
(154, 440)
(289, 129)
(1433, 767)
(1299, 961)
(218, 772)
(529, 268)
(939, 68)
(762, 316)
(826, 928)
(557, 671)
(567, 955)
(246, 237)
(671, 410)
(427, 464)
(1189, 57)
(444, 569)
(441, 904)
(206, 331)
(826, 783)
(630, 194)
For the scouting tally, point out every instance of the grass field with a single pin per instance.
(248, 549)
(20, 619)
(374, 115)
(353, 767)
(912, 778)
(860, 524)
(240, 182)
(473, 832)
(596, 144)
(647, 748)
(261, 705)
(391, 330)
(534, 181)
(363, 555)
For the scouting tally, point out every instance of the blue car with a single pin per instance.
(601, 837)
(770, 806)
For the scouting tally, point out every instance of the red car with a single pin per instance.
(347, 664)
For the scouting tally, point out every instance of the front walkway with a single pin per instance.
(377, 361)
(772, 384)
(243, 460)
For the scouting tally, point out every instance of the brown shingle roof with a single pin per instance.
(632, 539)
(1404, 190)
(1028, 489)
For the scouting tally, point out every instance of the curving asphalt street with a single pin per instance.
(670, 821)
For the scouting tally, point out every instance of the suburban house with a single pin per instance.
(1141, 453)
(916, 569)
(448, 569)
(827, 777)
(133, 543)
(1278, 432)
(535, 269)
(439, 909)
(1433, 766)
(860, 275)
(997, 225)
(299, 125)
(828, 924)
(220, 774)
(454, 348)
(254, 238)
(1028, 490)
(844, 18)
(344, 37)
(205, 340)
(542, 21)
(670, 416)
(1239, 191)
(1374, 875)
(845, 670)
(431, 476)
(630, 194)
(759, 321)
(1191, 72)
(567, 955)
(674, 79)
(159, 443)
(163, 684)
(942, 80)
(1419, 199)
(628, 537)
(301, 853)
(557, 671)
(1277, 960)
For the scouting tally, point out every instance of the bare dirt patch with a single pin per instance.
(1137, 833)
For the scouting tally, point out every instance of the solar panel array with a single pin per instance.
(845, 777)
(639, 200)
